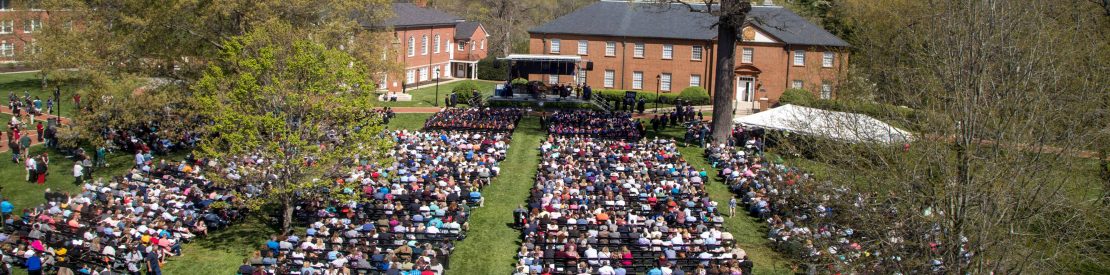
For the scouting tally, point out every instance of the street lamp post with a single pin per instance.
(658, 86)
(436, 102)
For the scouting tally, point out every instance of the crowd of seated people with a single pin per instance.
(412, 210)
(801, 213)
(128, 224)
(602, 206)
(588, 123)
(480, 119)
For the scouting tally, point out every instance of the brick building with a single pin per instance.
(646, 46)
(427, 40)
(17, 27)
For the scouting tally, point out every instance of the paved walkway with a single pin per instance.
(29, 130)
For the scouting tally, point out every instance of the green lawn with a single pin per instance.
(424, 97)
(491, 244)
(30, 82)
(221, 252)
(408, 121)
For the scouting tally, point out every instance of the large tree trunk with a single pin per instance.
(728, 26)
(286, 215)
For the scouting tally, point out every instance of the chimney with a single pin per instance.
(768, 2)
(420, 3)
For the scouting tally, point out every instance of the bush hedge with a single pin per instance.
(546, 105)
(649, 97)
(695, 95)
(464, 90)
(797, 97)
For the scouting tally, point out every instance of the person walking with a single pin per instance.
(732, 206)
(78, 173)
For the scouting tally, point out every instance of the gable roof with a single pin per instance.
(464, 30)
(410, 15)
(632, 19)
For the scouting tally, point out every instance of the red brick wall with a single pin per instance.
(17, 37)
(419, 59)
(475, 49)
(774, 61)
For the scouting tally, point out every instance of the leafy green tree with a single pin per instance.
(304, 107)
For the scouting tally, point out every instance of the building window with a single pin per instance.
(610, 48)
(555, 45)
(462, 46)
(826, 90)
(638, 50)
(637, 80)
(6, 48)
(423, 74)
(609, 75)
(424, 45)
(583, 47)
(695, 52)
(410, 77)
(7, 26)
(483, 44)
(827, 60)
(797, 84)
(412, 46)
(31, 47)
(668, 51)
(5, 4)
(552, 79)
(665, 82)
(436, 41)
(695, 80)
(581, 77)
(32, 26)
(799, 58)
(747, 57)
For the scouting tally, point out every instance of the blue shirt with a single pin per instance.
(6, 207)
(655, 271)
(34, 263)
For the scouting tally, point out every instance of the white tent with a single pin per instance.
(849, 127)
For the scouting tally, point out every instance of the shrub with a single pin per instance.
(649, 97)
(797, 97)
(464, 90)
(519, 82)
(695, 95)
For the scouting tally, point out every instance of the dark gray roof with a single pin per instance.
(410, 15)
(630, 19)
(464, 30)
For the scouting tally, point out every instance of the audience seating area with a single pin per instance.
(599, 205)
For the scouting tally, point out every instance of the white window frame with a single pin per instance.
(748, 55)
(610, 48)
(424, 44)
(32, 26)
(410, 76)
(555, 46)
(797, 84)
(695, 52)
(826, 90)
(665, 82)
(437, 43)
(7, 49)
(583, 47)
(552, 79)
(668, 51)
(610, 80)
(462, 46)
(7, 26)
(799, 57)
(638, 50)
(483, 44)
(695, 80)
(637, 80)
(412, 46)
(827, 59)
(423, 74)
(581, 77)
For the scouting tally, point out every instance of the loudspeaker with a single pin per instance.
(589, 65)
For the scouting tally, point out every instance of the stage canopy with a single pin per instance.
(848, 127)
(521, 65)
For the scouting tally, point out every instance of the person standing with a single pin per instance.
(30, 164)
(732, 206)
(78, 173)
(153, 267)
(40, 128)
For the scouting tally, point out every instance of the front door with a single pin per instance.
(460, 70)
(745, 92)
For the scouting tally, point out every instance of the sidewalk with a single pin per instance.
(29, 130)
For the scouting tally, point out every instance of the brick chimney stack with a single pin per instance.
(420, 3)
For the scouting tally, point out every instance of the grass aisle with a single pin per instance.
(491, 243)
